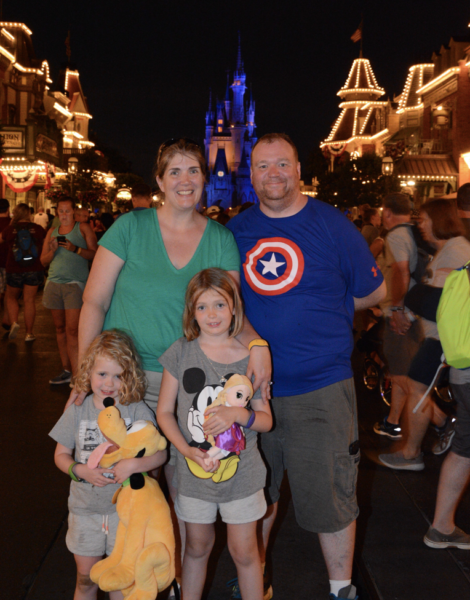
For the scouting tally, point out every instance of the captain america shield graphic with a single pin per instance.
(274, 266)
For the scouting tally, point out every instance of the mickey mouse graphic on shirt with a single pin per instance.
(232, 441)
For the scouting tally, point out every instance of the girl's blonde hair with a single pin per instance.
(221, 282)
(118, 346)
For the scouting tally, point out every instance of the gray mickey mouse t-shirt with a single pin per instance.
(78, 429)
(199, 385)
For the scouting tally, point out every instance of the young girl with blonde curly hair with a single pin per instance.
(110, 368)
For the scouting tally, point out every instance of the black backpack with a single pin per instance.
(425, 251)
(25, 250)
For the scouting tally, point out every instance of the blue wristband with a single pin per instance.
(251, 420)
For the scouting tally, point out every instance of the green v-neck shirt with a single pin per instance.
(148, 299)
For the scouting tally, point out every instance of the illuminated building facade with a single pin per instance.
(362, 124)
(39, 127)
(230, 136)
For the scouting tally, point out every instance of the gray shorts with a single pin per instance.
(399, 350)
(86, 535)
(236, 512)
(314, 438)
(461, 440)
(154, 380)
(62, 296)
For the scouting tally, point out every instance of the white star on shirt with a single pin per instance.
(271, 266)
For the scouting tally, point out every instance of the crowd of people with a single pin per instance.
(170, 303)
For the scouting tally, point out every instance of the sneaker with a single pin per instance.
(64, 377)
(456, 539)
(236, 595)
(30, 337)
(13, 331)
(396, 460)
(349, 593)
(385, 428)
(445, 435)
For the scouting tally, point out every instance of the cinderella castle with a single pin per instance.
(230, 136)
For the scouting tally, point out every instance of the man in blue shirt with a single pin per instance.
(306, 269)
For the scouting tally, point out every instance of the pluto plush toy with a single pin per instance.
(142, 562)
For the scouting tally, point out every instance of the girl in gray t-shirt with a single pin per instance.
(196, 369)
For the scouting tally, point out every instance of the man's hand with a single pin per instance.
(399, 322)
(75, 398)
(260, 366)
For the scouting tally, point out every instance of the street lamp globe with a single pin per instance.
(73, 165)
(387, 165)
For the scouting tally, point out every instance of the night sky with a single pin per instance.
(147, 67)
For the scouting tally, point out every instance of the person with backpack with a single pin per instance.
(453, 324)
(441, 227)
(402, 334)
(24, 270)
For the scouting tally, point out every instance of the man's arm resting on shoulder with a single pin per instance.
(372, 299)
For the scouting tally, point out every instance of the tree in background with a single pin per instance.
(353, 181)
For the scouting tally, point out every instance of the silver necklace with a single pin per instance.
(223, 379)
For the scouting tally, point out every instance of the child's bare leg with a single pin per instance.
(243, 547)
(199, 542)
(85, 588)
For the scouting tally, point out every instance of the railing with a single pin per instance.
(433, 146)
(74, 150)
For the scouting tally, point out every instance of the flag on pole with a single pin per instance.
(68, 51)
(357, 35)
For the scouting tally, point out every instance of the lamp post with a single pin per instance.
(72, 169)
(387, 165)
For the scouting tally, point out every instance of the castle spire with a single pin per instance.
(239, 56)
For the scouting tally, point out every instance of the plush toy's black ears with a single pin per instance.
(108, 402)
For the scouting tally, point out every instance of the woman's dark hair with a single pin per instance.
(183, 146)
(445, 219)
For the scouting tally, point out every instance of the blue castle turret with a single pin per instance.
(230, 136)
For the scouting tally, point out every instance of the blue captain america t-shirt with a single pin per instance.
(299, 277)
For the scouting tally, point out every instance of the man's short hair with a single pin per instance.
(397, 203)
(463, 197)
(141, 189)
(4, 205)
(270, 138)
(369, 213)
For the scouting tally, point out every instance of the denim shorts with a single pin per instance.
(315, 437)
(18, 280)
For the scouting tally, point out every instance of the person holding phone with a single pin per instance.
(67, 250)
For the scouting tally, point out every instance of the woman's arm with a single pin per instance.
(96, 300)
(91, 241)
(167, 421)
(48, 249)
(97, 297)
(260, 363)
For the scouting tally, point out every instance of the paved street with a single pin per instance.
(392, 561)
